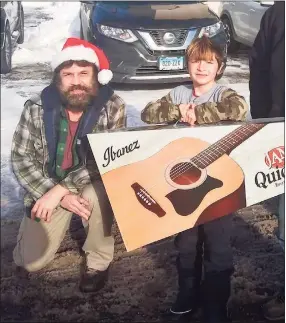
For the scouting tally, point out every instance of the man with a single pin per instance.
(267, 99)
(52, 160)
(267, 65)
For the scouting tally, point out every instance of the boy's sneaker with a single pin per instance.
(183, 304)
(216, 315)
(274, 310)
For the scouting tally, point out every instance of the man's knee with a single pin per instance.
(98, 201)
(38, 242)
(95, 193)
(89, 193)
(31, 265)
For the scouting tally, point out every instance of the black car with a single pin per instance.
(146, 41)
(12, 31)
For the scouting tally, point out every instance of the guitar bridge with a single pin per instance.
(146, 200)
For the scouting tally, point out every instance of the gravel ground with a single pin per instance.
(142, 283)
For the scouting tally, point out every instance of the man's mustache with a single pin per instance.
(77, 87)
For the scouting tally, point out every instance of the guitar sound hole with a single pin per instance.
(185, 174)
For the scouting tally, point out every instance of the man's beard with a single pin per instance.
(78, 102)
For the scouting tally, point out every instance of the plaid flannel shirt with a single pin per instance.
(30, 157)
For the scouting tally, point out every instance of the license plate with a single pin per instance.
(171, 63)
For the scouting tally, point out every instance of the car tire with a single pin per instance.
(233, 45)
(20, 39)
(6, 52)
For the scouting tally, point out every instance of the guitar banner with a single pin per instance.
(164, 180)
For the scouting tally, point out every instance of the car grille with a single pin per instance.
(154, 70)
(158, 35)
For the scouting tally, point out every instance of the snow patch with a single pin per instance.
(46, 40)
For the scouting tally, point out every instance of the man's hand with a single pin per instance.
(77, 205)
(45, 205)
(188, 113)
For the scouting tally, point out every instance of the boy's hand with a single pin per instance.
(188, 113)
(184, 108)
(191, 116)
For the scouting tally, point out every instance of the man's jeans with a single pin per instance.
(281, 220)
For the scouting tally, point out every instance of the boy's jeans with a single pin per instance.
(281, 221)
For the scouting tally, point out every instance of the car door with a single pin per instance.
(256, 11)
(238, 15)
(242, 9)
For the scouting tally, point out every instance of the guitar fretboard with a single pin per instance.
(225, 145)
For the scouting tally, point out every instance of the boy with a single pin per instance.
(203, 101)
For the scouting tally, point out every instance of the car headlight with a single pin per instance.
(117, 33)
(211, 30)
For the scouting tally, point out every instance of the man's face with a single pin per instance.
(203, 72)
(78, 86)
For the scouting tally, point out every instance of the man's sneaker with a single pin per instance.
(274, 310)
(184, 304)
(93, 280)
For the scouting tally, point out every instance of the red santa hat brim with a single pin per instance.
(75, 53)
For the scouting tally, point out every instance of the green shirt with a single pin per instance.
(62, 141)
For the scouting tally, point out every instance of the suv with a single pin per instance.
(146, 41)
(242, 21)
(12, 31)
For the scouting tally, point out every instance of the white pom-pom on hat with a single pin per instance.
(104, 76)
(77, 49)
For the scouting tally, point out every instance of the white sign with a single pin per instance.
(164, 181)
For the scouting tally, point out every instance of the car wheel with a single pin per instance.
(20, 39)
(6, 52)
(233, 45)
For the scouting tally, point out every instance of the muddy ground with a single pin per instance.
(142, 283)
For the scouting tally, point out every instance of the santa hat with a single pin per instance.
(76, 49)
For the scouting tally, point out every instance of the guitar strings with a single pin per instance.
(209, 150)
(195, 160)
(179, 170)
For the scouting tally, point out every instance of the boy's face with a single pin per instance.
(203, 72)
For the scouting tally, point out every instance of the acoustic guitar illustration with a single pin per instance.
(188, 177)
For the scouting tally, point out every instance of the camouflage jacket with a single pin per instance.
(31, 148)
(230, 107)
